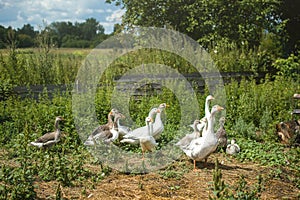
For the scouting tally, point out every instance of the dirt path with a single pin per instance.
(179, 181)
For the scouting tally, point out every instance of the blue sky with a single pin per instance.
(16, 13)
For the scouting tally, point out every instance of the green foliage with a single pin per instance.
(288, 67)
(6, 88)
(219, 187)
(18, 183)
(252, 107)
(255, 107)
(267, 153)
(244, 191)
(18, 180)
(201, 19)
(240, 190)
(231, 56)
(60, 34)
(39, 68)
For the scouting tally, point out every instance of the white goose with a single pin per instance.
(206, 116)
(148, 142)
(123, 130)
(232, 148)
(158, 126)
(49, 139)
(203, 120)
(133, 136)
(186, 140)
(202, 147)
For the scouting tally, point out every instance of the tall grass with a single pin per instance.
(251, 108)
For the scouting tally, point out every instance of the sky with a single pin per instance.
(16, 13)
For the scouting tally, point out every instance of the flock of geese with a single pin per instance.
(197, 145)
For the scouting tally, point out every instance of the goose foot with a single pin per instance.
(195, 169)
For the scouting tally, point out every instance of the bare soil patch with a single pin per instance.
(179, 181)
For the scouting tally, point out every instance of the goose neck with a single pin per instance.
(210, 124)
(207, 112)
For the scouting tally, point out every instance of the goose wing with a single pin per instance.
(46, 137)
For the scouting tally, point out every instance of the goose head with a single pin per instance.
(153, 112)
(216, 108)
(196, 122)
(163, 106)
(59, 118)
(148, 120)
(118, 116)
(209, 98)
(113, 112)
(222, 121)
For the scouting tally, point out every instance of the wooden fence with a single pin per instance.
(126, 83)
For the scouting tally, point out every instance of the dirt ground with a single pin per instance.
(186, 185)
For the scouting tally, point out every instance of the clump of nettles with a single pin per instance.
(220, 190)
(240, 190)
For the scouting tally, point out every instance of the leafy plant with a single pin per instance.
(240, 190)
(288, 67)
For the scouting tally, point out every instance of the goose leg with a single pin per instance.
(205, 162)
(196, 170)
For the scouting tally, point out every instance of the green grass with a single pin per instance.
(250, 108)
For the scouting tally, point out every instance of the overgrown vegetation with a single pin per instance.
(253, 108)
(241, 190)
(264, 42)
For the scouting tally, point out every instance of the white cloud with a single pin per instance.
(16, 13)
(116, 16)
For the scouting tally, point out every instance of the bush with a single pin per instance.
(6, 88)
(289, 67)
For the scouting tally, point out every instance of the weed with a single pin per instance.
(240, 190)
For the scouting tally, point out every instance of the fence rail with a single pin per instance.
(126, 83)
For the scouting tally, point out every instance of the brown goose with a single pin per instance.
(51, 138)
(108, 125)
(114, 131)
(221, 134)
(103, 132)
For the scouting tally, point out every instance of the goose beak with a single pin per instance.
(220, 108)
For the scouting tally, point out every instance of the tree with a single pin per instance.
(25, 41)
(290, 13)
(90, 28)
(3, 34)
(206, 21)
(27, 29)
